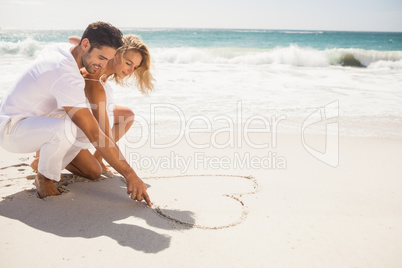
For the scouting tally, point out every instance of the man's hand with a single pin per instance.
(138, 190)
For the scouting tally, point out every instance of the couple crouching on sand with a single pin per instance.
(60, 107)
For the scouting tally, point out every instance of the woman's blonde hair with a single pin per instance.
(143, 77)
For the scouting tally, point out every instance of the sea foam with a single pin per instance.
(291, 55)
(27, 47)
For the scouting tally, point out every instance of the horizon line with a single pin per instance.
(201, 28)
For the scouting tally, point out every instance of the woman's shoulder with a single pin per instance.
(93, 85)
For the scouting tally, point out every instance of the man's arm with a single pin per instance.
(96, 96)
(84, 119)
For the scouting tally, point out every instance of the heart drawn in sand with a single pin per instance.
(210, 201)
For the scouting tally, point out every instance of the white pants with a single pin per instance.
(56, 138)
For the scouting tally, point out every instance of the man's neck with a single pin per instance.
(77, 54)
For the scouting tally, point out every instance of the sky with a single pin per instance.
(346, 15)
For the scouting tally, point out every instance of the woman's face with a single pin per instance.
(126, 65)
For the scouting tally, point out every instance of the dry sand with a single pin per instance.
(305, 215)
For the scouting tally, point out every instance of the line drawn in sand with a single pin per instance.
(235, 196)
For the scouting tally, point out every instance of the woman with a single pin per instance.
(132, 59)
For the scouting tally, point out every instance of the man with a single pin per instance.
(54, 82)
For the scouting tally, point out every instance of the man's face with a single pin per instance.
(97, 58)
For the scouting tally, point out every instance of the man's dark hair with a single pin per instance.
(102, 34)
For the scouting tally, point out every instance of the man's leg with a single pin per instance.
(53, 137)
(84, 164)
(78, 160)
(44, 186)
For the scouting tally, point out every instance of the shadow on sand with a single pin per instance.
(92, 210)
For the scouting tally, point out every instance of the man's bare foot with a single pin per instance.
(44, 186)
(35, 164)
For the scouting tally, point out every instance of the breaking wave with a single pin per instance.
(28, 47)
(291, 55)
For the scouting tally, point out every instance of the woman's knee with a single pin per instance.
(94, 172)
(124, 115)
(129, 118)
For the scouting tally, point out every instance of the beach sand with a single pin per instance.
(297, 213)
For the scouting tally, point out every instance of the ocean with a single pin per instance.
(207, 79)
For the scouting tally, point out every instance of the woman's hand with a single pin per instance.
(75, 40)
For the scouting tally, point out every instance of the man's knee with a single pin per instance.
(65, 131)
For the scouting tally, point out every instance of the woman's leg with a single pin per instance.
(123, 120)
(85, 165)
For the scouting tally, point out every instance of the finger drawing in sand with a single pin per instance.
(62, 105)
(224, 206)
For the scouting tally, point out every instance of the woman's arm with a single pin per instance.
(75, 40)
